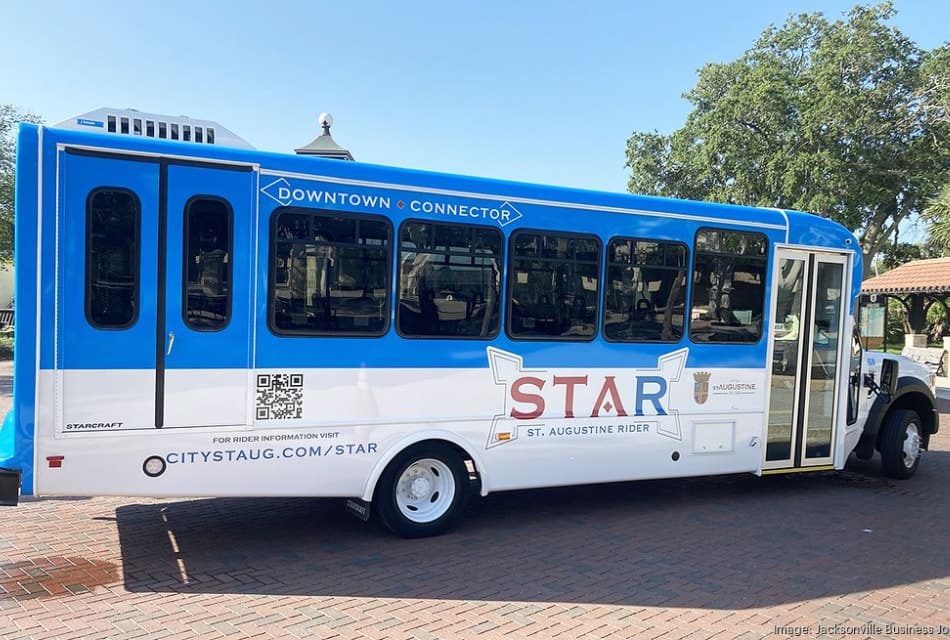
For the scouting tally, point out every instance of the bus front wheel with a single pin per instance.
(901, 443)
(422, 491)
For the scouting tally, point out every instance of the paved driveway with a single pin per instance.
(732, 557)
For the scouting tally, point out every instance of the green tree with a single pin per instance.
(935, 101)
(847, 119)
(892, 256)
(938, 213)
(9, 117)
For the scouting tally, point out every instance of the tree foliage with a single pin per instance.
(845, 118)
(892, 256)
(938, 214)
(9, 117)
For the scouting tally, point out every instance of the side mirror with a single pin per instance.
(889, 372)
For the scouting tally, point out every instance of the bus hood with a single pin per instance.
(905, 367)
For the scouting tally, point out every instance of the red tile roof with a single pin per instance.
(919, 276)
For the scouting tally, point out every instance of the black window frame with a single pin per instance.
(687, 289)
(136, 259)
(501, 269)
(272, 273)
(511, 274)
(186, 253)
(766, 291)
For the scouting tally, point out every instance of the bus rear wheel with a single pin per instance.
(423, 491)
(901, 443)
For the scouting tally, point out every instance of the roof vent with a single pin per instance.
(132, 122)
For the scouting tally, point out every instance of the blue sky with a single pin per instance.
(538, 91)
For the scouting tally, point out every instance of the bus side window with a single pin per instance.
(553, 286)
(646, 291)
(449, 280)
(330, 273)
(112, 258)
(728, 286)
(207, 269)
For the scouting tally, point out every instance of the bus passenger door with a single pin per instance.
(809, 303)
(106, 253)
(206, 322)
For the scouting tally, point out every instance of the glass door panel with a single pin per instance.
(806, 345)
(825, 349)
(786, 350)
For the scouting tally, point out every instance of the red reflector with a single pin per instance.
(55, 462)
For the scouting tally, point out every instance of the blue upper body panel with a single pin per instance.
(402, 194)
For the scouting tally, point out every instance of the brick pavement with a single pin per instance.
(703, 558)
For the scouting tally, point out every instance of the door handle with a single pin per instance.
(171, 342)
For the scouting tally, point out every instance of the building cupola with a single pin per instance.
(324, 146)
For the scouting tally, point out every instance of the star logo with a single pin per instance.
(539, 397)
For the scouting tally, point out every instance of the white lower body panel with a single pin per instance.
(106, 400)
(330, 432)
(196, 397)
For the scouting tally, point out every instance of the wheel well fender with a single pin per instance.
(464, 448)
(921, 404)
(911, 393)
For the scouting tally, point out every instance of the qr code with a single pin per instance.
(279, 396)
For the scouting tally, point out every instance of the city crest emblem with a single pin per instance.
(701, 387)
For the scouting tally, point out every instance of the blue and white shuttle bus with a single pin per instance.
(198, 318)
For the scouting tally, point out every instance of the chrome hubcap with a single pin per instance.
(425, 490)
(911, 445)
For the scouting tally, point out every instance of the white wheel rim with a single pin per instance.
(911, 445)
(425, 490)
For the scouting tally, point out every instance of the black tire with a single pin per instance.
(387, 503)
(899, 425)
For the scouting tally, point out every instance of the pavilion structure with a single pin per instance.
(917, 285)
